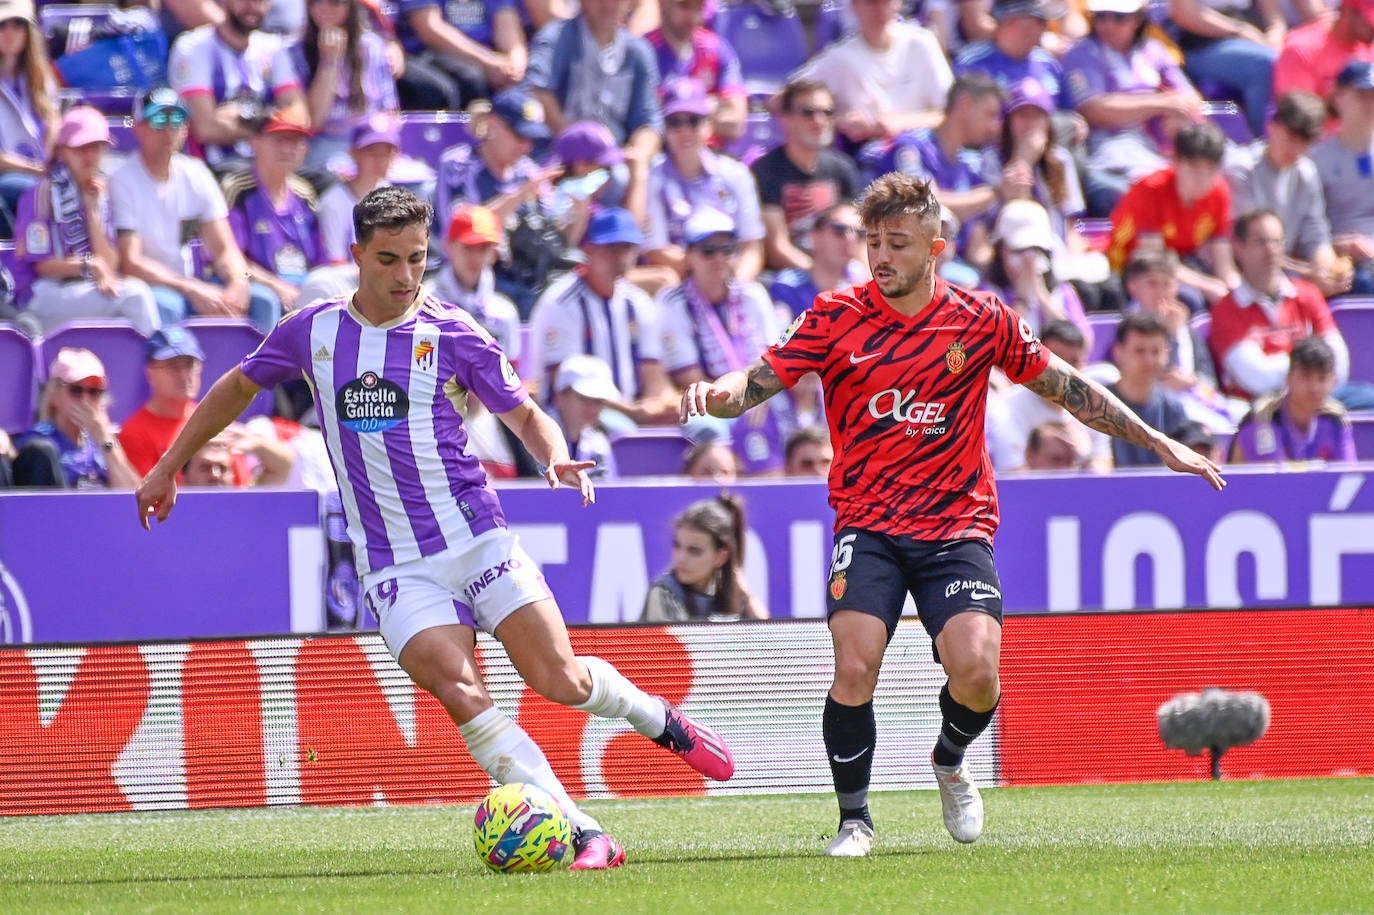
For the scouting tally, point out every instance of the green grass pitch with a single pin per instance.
(1275, 846)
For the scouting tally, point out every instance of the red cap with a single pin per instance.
(286, 122)
(474, 225)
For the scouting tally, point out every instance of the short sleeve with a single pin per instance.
(679, 344)
(283, 73)
(1085, 76)
(804, 347)
(645, 108)
(731, 78)
(189, 69)
(540, 69)
(284, 354)
(1315, 309)
(648, 324)
(485, 371)
(124, 200)
(555, 333)
(769, 180)
(1019, 352)
(209, 197)
(748, 215)
(656, 214)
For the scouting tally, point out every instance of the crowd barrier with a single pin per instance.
(77, 568)
(331, 720)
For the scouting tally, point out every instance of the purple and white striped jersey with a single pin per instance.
(386, 399)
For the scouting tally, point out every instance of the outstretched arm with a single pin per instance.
(541, 436)
(229, 397)
(1097, 408)
(731, 394)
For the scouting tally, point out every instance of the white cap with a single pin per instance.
(1116, 6)
(1023, 224)
(704, 223)
(589, 376)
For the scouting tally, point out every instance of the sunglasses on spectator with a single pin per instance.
(725, 247)
(80, 390)
(843, 231)
(161, 120)
(810, 112)
(1114, 17)
(683, 120)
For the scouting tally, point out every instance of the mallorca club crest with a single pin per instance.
(838, 586)
(955, 358)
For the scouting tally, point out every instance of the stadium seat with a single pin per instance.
(761, 133)
(1363, 424)
(18, 379)
(830, 23)
(1103, 324)
(1096, 232)
(650, 452)
(225, 342)
(426, 134)
(1202, 324)
(81, 17)
(1355, 318)
(120, 347)
(7, 255)
(770, 46)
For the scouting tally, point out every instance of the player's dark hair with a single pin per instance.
(896, 195)
(1314, 354)
(806, 435)
(722, 519)
(1201, 142)
(1245, 223)
(1141, 322)
(391, 208)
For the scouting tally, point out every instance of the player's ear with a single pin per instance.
(937, 246)
(356, 250)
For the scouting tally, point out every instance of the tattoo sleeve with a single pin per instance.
(1090, 403)
(760, 383)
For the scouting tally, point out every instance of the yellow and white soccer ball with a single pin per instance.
(520, 827)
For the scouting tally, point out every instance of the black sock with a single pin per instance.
(960, 726)
(850, 733)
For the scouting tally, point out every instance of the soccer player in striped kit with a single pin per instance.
(904, 362)
(391, 367)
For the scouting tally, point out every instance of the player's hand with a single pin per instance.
(573, 473)
(698, 399)
(1181, 458)
(156, 495)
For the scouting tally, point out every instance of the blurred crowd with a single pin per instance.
(647, 192)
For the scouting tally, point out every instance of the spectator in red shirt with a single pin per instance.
(1186, 207)
(1314, 53)
(173, 368)
(1255, 326)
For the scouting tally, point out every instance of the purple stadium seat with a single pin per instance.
(426, 134)
(1103, 324)
(761, 133)
(1096, 232)
(650, 452)
(1363, 424)
(1355, 318)
(1231, 120)
(120, 347)
(830, 24)
(226, 341)
(18, 379)
(769, 46)
(122, 132)
(1202, 324)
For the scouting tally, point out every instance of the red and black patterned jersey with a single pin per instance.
(905, 398)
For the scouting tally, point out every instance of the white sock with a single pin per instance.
(506, 753)
(613, 696)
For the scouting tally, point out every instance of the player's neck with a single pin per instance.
(379, 314)
(915, 301)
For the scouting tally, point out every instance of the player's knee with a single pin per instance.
(975, 684)
(856, 676)
(462, 700)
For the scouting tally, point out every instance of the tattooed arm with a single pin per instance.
(730, 395)
(1097, 408)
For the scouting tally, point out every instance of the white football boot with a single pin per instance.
(963, 805)
(854, 841)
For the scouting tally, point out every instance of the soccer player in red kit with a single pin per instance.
(904, 361)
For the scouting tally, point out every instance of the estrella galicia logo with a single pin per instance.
(371, 404)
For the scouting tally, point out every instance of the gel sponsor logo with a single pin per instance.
(483, 581)
(981, 590)
(922, 417)
(371, 404)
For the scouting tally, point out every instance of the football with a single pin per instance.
(519, 827)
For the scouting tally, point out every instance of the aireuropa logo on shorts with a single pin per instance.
(922, 417)
(15, 623)
(981, 589)
(370, 403)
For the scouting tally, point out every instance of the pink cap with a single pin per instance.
(82, 126)
(74, 366)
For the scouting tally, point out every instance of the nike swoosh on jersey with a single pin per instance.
(855, 360)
